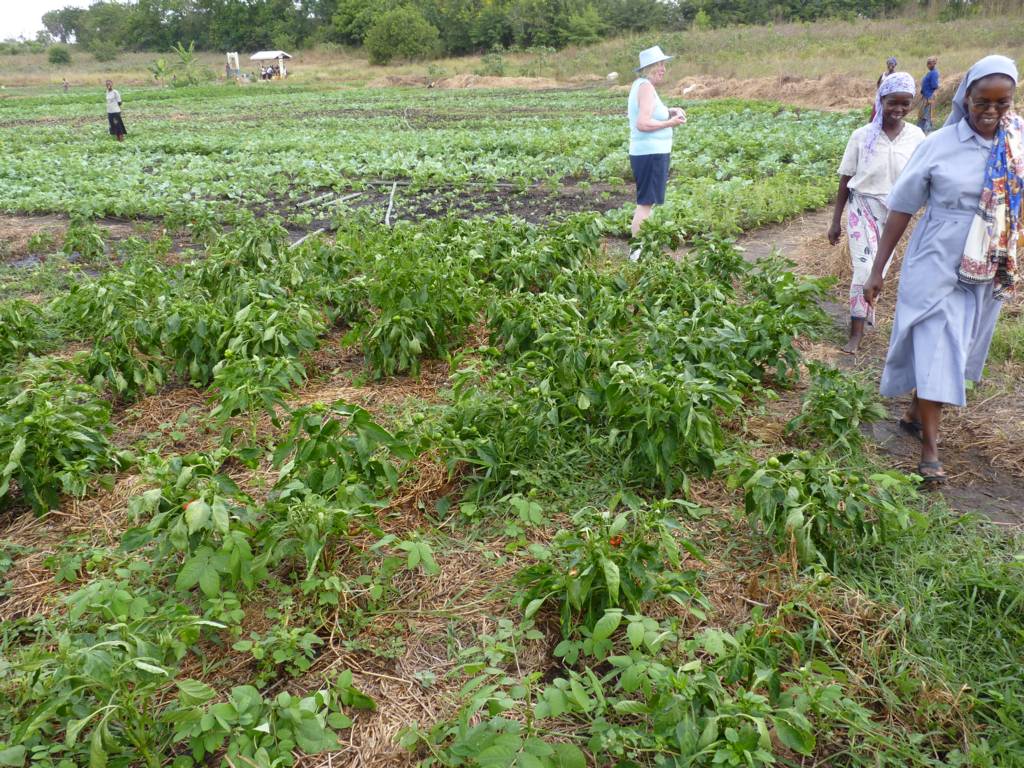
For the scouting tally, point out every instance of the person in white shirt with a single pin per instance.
(117, 128)
(875, 156)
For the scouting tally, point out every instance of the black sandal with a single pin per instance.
(912, 428)
(936, 478)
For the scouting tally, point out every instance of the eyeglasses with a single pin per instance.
(981, 105)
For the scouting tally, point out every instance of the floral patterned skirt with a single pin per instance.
(865, 219)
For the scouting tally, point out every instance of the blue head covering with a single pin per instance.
(990, 65)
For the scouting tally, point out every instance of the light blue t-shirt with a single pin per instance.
(657, 142)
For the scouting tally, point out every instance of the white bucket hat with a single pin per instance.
(650, 56)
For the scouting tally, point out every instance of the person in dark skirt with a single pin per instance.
(650, 137)
(117, 128)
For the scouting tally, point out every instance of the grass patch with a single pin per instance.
(957, 587)
(1008, 339)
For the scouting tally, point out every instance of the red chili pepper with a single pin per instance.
(615, 541)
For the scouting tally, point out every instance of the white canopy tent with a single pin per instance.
(276, 56)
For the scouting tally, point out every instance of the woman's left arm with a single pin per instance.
(895, 226)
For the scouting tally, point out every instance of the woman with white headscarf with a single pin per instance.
(962, 257)
(875, 156)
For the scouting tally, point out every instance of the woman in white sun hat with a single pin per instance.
(650, 136)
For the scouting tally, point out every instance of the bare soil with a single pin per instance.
(536, 203)
(16, 230)
(831, 92)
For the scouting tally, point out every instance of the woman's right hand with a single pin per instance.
(676, 116)
(834, 233)
(873, 288)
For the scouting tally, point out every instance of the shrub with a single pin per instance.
(404, 34)
(491, 64)
(58, 55)
(103, 52)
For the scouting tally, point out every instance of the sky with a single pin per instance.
(23, 18)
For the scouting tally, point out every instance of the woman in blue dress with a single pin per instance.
(961, 257)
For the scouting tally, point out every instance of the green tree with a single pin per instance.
(187, 68)
(63, 24)
(492, 28)
(402, 33)
(352, 19)
(105, 29)
(586, 27)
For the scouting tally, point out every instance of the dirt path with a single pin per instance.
(980, 478)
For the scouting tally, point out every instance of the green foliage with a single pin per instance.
(585, 26)
(402, 33)
(1008, 339)
(85, 238)
(609, 560)
(40, 242)
(187, 69)
(104, 52)
(253, 385)
(338, 452)
(492, 64)
(719, 698)
(663, 419)
(723, 710)
(599, 384)
(465, 28)
(23, 330)
(53, 435)
(412, 314)
(58, 55)
(819, 508)
(834, 408)
(159, 69)
(288, 648)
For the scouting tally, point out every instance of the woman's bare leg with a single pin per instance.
(912, 413)
(856, 335)
(929, 414)
(640, 215)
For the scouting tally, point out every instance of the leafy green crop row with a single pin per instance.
(639, 370)
(312, 141)
(589, 405)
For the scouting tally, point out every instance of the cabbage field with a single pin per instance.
(336, 430)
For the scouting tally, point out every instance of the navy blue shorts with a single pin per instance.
(651, 174)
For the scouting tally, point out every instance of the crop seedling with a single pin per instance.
(834, 408)
(53, 435)
(84, 238)
(611, 559)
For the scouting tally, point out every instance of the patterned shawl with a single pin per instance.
(998, 221)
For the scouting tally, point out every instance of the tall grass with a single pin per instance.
(856, 48)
